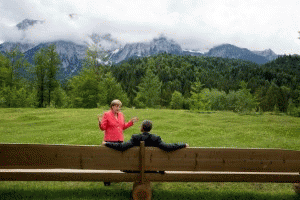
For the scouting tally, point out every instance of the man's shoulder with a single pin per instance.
(138, 136)
(145, 136)
(135, 136)
(154, 136)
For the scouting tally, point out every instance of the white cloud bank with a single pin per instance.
(256, 25)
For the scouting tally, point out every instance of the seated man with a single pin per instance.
(150, 140)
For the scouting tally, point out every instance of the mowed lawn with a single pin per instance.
(215, 129)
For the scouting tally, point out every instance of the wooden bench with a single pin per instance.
(37, 162)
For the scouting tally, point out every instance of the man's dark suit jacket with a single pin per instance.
(150, 140)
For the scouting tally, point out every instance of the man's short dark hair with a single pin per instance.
(147, 125)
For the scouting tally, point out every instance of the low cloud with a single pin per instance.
(70, 28)
(256, 25)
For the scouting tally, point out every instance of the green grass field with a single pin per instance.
(216, 129)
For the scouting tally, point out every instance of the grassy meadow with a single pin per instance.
(215, 129)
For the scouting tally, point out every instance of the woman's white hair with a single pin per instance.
(116, 102)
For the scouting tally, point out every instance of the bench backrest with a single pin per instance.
(37, 156)
(223, 159)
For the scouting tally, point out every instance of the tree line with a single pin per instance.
(159, 81)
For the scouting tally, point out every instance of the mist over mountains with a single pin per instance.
(72, 53)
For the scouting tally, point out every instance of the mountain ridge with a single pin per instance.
(72, 54)
(231, 51)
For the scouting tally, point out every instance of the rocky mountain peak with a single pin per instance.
(268, 53)
(143, 49)
(26, 23)
(231, 51)
(163, 44)
(226, 46)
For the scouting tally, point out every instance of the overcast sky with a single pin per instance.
(195, 24)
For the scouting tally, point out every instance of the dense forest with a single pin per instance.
(159, 81)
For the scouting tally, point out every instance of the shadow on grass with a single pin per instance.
(110, 193)
(83, 193)
(212, 195)
(201, 112)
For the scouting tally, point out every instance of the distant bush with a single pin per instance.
(216, 99)
(16, 98)
(293, 110)
(241, 101)
(177, 100)
(60, 98)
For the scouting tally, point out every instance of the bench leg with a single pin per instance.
(297, 187)
(141, 191)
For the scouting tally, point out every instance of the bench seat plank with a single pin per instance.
(67, 175)
(169, 176)
(225, 177)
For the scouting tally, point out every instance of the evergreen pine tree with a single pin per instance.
(53, 62)
(149, 91)
(40, 72)
(196, 99)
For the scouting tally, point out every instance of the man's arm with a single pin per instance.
(169, 147)
(120, 146)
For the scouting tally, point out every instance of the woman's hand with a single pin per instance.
(99, 118)
(103, 143)
(134, 119)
